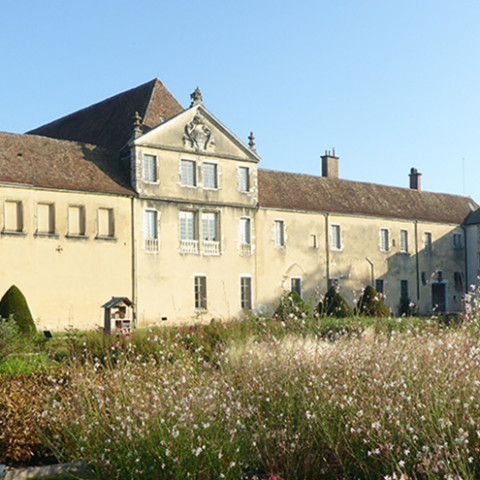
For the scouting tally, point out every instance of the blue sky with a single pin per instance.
(390, 84)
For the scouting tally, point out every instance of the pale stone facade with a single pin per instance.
(194, 231)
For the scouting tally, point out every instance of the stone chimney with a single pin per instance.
(415, 180)
(329, 164)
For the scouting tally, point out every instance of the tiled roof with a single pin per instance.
(305, 192)
(50, 163)
(110, 122)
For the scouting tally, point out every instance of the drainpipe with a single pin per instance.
(417, 265)
(372, 270)
(327, 248)
(134, 263)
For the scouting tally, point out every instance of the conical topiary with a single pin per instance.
(371, 304)
(290, 305)
(14, 303)
(334, 305)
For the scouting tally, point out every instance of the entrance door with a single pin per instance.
(439, 303)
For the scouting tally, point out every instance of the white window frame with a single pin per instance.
(404, 240)
(147, 173)
(204, 176)
(199, 287)
(294, 280)
(384, 239)
(244, 183)
(188, 231)
(210, 246)
(338, 244)
(151, 243)
(184, 181)
(246, 301)
(51, 219)
(245, 236)
(279, 233)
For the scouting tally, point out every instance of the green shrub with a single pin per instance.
(371, 304)
(14, 303)
(291, 305)
(334, 305)
(406, 307)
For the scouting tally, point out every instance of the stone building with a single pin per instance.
(139, 198)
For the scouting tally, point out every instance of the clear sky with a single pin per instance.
(390, 84)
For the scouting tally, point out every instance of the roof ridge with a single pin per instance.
(382, 185)
(105, 100)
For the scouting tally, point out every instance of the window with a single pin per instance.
(279, 229)
(404, 241)
(151, 230)
(403, 288)
(45, 219)
(427, 242)
(13, 219)
(150, 168)
(246, 293)
(200, 292)
(379, 285)
(336, 237)
(457, 240)
(76, 221)
(478, 261)
(384, 240)
(210, 236)
(314, 241)
(296, 285)
(210, 177)
(424, 278)
(245, 236)
(188, 173)
(188, 232)
(244, 179)
(105, 222)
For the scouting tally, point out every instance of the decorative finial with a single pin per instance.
(137, 125)
(251, 141)
(196, 97)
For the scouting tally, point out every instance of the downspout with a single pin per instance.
(417, 263)
(372, 270)
(134, 263)
(327, 249)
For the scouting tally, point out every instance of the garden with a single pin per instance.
(311, 392)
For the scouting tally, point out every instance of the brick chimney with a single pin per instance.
(329, 164)
(415, 180)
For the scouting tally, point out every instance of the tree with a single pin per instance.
(14, 303)
(371, 304)
(334, 305)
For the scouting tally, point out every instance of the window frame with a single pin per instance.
(404, 247)
(428, 242)
(151, 244)
(279, 233)
(380, 282)
(457, 240)
(111, 223)
(200, 292)
(294, 280)
(245, 233)
(246, 301)
(244, 179)
(82, 219)
(204, 176)
(51, 220)
(146, 172)
(336, 243)
(19, 217)
(183, 178)
(385, 244)
(404, 293)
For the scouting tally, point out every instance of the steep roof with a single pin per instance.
(306, 192)
(50, 163)
(110, 123)
(473, 218)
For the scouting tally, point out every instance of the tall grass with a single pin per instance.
(254, 399)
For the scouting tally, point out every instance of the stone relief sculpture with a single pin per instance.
(197, 134)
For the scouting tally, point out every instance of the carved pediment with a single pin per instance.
(197, 135)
